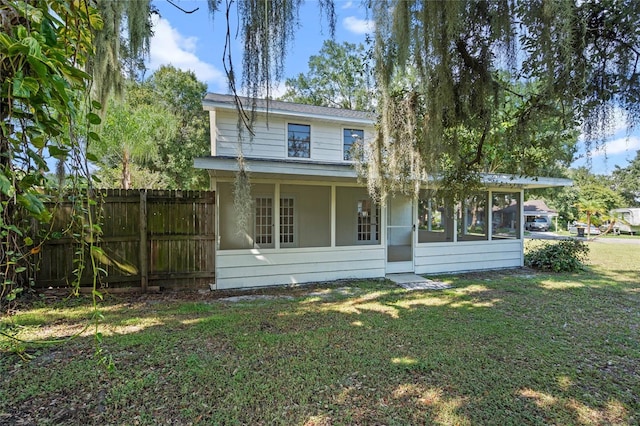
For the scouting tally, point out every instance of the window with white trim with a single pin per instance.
(287, 222)
(263, 231)
(264, 222)
(368, 229)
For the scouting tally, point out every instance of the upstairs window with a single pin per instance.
(299, 140)
(352, 147)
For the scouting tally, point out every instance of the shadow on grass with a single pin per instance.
(507, 347)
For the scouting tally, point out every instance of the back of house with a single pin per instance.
(306, 216)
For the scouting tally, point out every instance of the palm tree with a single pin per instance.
(589, 208)
(131, 135)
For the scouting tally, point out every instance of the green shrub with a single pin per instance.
(558, 256)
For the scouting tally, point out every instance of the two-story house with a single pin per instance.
(312, 221)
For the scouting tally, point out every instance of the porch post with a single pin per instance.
(333, 215)
(276, 216)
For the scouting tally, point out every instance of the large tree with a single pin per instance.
(339, 76)
(627, 181)
(132, 134)
(151, 135)
(181, 94)
(578, 59)
(592, 194)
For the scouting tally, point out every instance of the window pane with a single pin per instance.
(352, 143)
(472, 224)
(264, 221)
(505, 215)
(286, 222)
(299, 140)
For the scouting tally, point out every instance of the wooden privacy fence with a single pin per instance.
(151, 239)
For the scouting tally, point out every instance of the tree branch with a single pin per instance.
(181, 9)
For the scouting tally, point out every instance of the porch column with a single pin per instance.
(276, 216)
(333, 215)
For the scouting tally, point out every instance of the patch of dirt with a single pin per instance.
(322, 289)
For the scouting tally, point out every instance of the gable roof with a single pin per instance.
(220, 101)
(532, 207)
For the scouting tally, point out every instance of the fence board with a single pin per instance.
(150, 239)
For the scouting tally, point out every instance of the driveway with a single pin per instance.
(533, 235)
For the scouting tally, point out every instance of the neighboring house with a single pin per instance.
(538, 209)
(311, 219)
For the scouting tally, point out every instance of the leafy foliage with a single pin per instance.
(561, 256)
(593, 191)
(41, 92)
(48, 64)
(559, 64)
(339, 76)
(181, 94)
(153, 134)
(627, 181)
(132, 133)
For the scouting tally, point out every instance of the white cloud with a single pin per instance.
(619, 146)
(279, 89)
(169, 47)
(357, 25)
(347, 5)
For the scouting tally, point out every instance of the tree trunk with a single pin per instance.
(126, 171)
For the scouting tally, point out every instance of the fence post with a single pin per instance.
(144, 262)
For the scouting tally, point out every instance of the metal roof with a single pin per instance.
(274, 168)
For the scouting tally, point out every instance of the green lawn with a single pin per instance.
(499, 348)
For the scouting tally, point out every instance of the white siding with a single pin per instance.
(326, 142)
(268, 142)
(255, 268)
(433, 258)
(271, 141)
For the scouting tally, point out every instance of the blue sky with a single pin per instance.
(195, 42)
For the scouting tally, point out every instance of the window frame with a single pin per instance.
(432, 205)
(514, 233)
(264, 226)
(294, 222)
(344, 144)
(272, 236)
(288, 140)
(462, 233)
(374, 228)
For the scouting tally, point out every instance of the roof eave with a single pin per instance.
(209, 105)
(347, 171)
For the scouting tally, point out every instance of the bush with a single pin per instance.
(560, 256)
